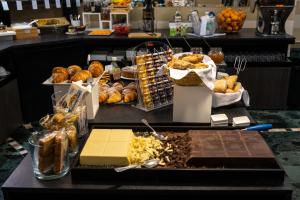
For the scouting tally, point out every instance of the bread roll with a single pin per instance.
(231, 80)
(237, 87)
(59, 77)
(220, 86)
(131, 85)
(73, 69)
(96, 69)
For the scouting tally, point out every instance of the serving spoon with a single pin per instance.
(157, 135)
(148, 164)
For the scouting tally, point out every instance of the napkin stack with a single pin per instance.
(240, 121)
(219, 120)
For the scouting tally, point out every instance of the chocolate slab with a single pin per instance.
(234, 149)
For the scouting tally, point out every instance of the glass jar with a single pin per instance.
(216, 54)
(49, 153)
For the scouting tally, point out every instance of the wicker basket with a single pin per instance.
(192, 79)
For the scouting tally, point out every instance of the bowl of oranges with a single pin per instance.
(231, 20)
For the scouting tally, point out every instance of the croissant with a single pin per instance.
(181, 64)
(114, 95)
(118, 86)
(103, 95)
(237, 86)
(231, 80)
(60, 70)
(82, 75)
(194, 58)
(220, 86)
(229, 91)
(129, 95)
(130, 86)
(96, 69)
(59, 77)
(73, 69)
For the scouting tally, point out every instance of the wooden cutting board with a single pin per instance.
(144, 35)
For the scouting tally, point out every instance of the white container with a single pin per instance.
(92, 99)
(192, 104)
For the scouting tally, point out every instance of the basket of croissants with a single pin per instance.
(227, 91)
(188, 69)
(75, 73)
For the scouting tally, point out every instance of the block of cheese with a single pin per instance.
(107, 147)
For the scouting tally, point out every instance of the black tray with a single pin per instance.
(273, 175)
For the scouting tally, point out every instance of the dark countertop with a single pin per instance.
(23, 183)
(244, 36)
(128, 116)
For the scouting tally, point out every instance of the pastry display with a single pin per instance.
(129, 72)
(96, 69)
(188, 61)
(73, 69)
(227, 84)
(117, 93)
(155, 88)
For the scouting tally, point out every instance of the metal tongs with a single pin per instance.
(239, 64)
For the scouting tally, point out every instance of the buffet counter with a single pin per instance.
(245, 36)
(32, 61)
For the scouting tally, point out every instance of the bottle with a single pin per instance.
(177, 17)
(116, 71)
(148, 16)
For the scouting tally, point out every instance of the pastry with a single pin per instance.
(229, 91)
(72, 137)
(114, 95)
(60, 150)
(103, 95)
(194, 58)
(59, 77)
(46, 152)
(201, 65)
(58, 118)
(60, 70)
(118, 86)
(96, 69)
(220, 86)
(181, 64)
(130, 86)
(82, 75)
(237, 87)
(231, 80)
(129, 95)
(73, 69)
(128, 72)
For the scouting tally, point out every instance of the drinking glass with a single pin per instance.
(49, 153)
